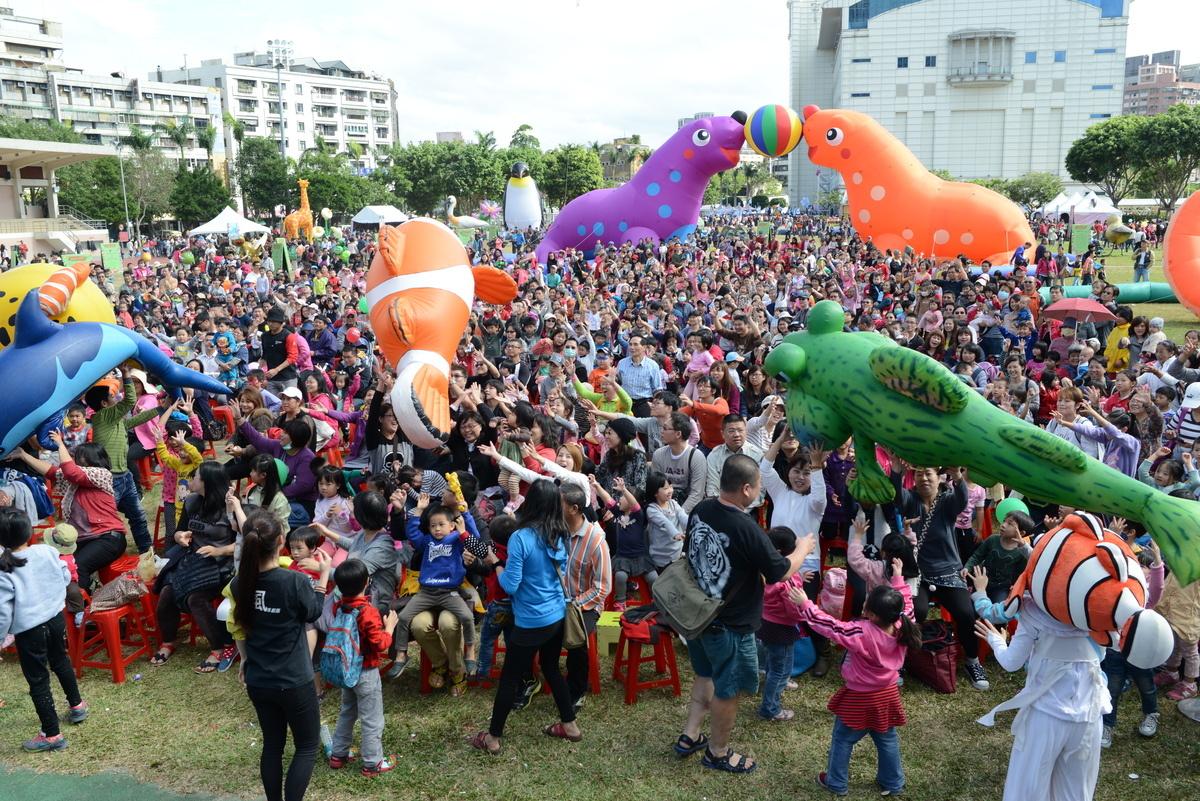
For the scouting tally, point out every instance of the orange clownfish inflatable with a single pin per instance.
(420, 288)
(898, 203)
(1181, 253)
(1085, 576)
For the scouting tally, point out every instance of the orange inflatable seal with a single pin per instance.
(420, 288)
(898, 203)
(1181, 253)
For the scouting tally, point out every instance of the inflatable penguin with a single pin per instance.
(522, 201)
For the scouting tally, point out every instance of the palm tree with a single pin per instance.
(177, 132)
(487, 141)
(753, 173)
(138, 139)
(236, 127)
(355, 150)
(207, 138)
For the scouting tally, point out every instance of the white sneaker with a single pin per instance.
(1149, 725)
(978, 678)
(1106, 737)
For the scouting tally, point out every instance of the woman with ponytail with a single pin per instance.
(870, 701)
(270, 608)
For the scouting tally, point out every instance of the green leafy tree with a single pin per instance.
(1168, 152)
(1033, 189)
(521, 138)
(149, 181)
(486, 141)
(943, 174)
(43, 130)
(572, 170)
(93, 188)
(207, 138)
(1105, 156)
(262, 174)
(198, 196)
(995, 184)
(236, 127)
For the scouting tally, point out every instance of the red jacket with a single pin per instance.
(372, 639)
(100, 507)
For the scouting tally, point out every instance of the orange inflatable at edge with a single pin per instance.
(1181, 253)
(898, 203)
(420, 288)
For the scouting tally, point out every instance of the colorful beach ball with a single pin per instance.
(773, 131)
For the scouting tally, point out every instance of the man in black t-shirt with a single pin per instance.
(730, 556)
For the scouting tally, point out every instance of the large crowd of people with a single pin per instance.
(614, 418)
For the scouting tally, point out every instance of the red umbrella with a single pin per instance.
(1085, 310)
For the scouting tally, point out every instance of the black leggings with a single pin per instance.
(278, 710)
(523, 644)
(812, 588)
(962, 611)
(238, 468)
(200, 607)
(42, 650)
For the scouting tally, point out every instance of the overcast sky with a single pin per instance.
(576, 70)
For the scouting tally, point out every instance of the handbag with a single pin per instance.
(936, 662)
(192, 574)
(683, 604)
(124, 589)
(574, 630)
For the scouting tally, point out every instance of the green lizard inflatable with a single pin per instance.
(863, 385)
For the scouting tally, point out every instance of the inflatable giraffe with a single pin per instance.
(300, 221)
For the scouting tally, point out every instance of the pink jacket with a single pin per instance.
(873, 572)
(872, 657)
(776, 606)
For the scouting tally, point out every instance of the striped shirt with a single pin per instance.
(110, 427)
(640, 380)
(589, 568)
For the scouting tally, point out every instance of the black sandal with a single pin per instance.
(723, 763)
(685, 746)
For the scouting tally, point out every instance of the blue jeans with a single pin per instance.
(498, 619)
(1115, 670)
(129, 503)
(778, 663)
(889, 774)
(1141, 274)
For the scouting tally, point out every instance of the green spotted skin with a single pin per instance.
(863, 385)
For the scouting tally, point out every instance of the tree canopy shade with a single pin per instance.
(199, 194)
(1168, 151)
(93, 188)
(1104, 156)
(571, 170)
(42, 130)
(262, 174)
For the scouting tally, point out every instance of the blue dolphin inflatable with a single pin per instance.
(51, 364)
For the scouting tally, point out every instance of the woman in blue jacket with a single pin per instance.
(537, 552)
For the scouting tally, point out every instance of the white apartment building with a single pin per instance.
(319, 98)
(35, 85)
(977, 87)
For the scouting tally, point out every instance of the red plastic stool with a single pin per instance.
(145, 467)
(106, 641)
(630, 659)
(593, 666)
(643, 593)
(333, 456)
(225, 415)
(120, 565)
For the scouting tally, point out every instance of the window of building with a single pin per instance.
(902, 63)
(860, 94)
(1099, 116)
(299, 88)
(381, 133)
(299, 126)
(1100, 50)
(1030, 56)
(860, 61)
(247, 105)
(246, 87)
(1060, 56)
(1102, 86)
(299, 107)
(930, 61)
(200, 123)
(303, 145)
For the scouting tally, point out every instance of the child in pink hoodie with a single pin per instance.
(779, 631)
(870, 701)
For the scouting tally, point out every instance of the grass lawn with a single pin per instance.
(194, 733)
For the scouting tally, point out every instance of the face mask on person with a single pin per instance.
(1002, 295)
(543, 371)
(570, 353)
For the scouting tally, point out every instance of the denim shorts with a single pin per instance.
(728, 658)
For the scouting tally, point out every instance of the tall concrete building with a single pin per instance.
(35, 84)
(319, 98)
(1155, 83)
(977, 87)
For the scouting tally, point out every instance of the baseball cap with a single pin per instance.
(1191, 398)
(292, 392)
(1070, 322)
(733, 356)
(603, 353)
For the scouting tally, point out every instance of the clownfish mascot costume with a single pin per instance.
(1082, 591)
(420, 288)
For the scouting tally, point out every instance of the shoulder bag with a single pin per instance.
(574, 630)
(683, 604)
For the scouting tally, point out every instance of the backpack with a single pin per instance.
(341, 657)
(832, 597)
